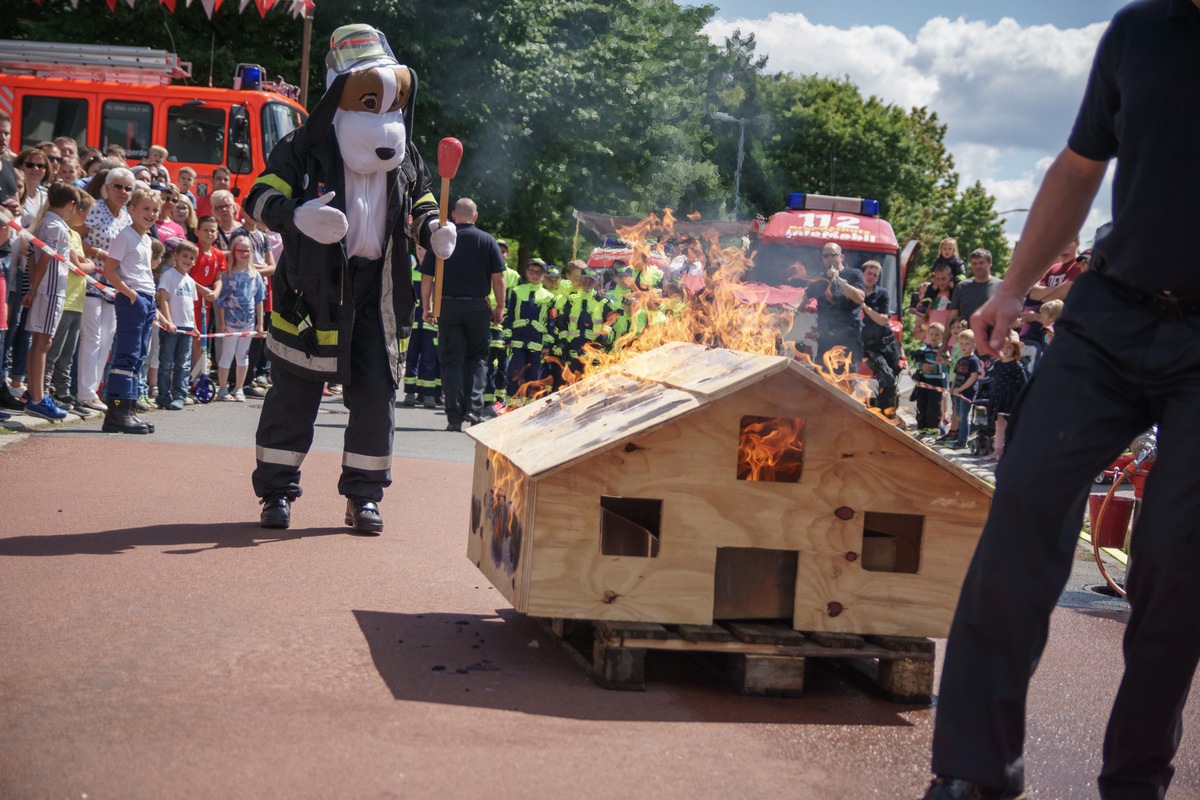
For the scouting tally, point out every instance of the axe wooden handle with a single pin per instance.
(443, 215)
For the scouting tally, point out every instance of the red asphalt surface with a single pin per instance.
(155, 642)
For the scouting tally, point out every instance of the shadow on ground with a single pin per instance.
(505, 661)
(189, 539)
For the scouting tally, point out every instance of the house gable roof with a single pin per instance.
(645, 393)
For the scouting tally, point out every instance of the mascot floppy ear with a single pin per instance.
(320, 121)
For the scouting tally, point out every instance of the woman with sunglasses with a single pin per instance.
(33, 165)
(104, 222)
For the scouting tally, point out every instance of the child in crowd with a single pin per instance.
(949, 409)
(47, 293)
(929, 371)
(149, 378)
(66, 338)
(129, 268)
(208, 275)
(187, 179)
(239, 310)
(176, 303)
(1008, 378)
(967, 370)
(1048, 314)
(948, 255)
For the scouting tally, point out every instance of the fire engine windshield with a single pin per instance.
(793, 265)
(278, 120)
(196, 134)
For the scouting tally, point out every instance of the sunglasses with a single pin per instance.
(830, 255)
(32, 165)
(55, 159)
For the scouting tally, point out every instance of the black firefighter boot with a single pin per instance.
(133, 416)
(119, 418)
(363, 515)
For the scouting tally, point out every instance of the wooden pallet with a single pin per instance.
(761, 658)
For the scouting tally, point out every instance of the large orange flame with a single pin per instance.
(771, 449)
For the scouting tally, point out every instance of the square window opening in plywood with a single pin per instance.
(754, 583)
(770, 449)
(630, 526)
(892, 542)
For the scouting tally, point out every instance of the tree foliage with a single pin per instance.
(605, 105)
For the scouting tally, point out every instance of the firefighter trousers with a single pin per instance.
(285, 426)
(1117, 365)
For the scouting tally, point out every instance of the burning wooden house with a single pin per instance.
(688, 485)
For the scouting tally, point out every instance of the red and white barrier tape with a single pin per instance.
(104, 288)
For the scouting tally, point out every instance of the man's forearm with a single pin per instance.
(426, 293)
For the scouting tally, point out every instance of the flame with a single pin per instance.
(504, 513)
(771, 449)
(713, 309)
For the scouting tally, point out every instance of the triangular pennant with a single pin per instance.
(209, 7)
(242, 6)
(130, 2)
(112, 5)
(264, 6)
(75, 4)
(170, 4)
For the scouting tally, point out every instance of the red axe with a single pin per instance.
(450, 153)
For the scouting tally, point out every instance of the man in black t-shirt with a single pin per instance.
(475, 270)
(839, 295)
(1124, 357)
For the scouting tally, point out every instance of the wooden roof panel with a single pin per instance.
(707, 372)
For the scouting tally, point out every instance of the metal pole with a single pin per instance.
(307, 45)
(737, 173)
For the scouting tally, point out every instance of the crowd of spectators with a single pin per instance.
(78, 201)
(950, 378)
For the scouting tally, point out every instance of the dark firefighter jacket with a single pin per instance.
(313, 306)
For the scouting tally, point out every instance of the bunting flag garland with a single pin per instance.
(298, 8)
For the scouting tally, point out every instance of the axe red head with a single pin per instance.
(449, 156)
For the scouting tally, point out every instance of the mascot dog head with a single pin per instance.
(368, 101)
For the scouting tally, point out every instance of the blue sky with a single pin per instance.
(1005, 78)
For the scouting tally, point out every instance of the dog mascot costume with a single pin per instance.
(341, 190)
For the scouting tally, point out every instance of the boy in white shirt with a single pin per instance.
(176, 303)
(129, 269)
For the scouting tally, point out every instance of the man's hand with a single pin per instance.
(497, 315)
(27, 300)
(319, 222)
(992, 322)
(442, 239)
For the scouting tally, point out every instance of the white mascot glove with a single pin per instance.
(319, 222)
(442, 239)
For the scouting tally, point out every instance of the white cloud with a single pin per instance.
(1008, 94)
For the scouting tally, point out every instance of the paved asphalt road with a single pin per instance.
(154, 642)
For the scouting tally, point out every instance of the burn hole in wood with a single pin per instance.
(754, 583)
(770, 449)
(892, 542)
(630, 526)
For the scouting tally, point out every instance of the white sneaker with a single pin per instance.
(239, 396)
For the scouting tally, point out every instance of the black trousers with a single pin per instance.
(285, 426)
(883, 356)
(464, 339)
(1117, 365)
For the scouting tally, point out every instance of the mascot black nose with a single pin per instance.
(385, 153)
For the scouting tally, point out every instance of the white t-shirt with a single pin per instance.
(55, 233)
(181, 297)
(132, 249)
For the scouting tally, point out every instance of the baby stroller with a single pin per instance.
(982, 433)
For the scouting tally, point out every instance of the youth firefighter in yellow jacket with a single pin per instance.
(340, 190)
(528, 328)
(422, 378)
(585, 318)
